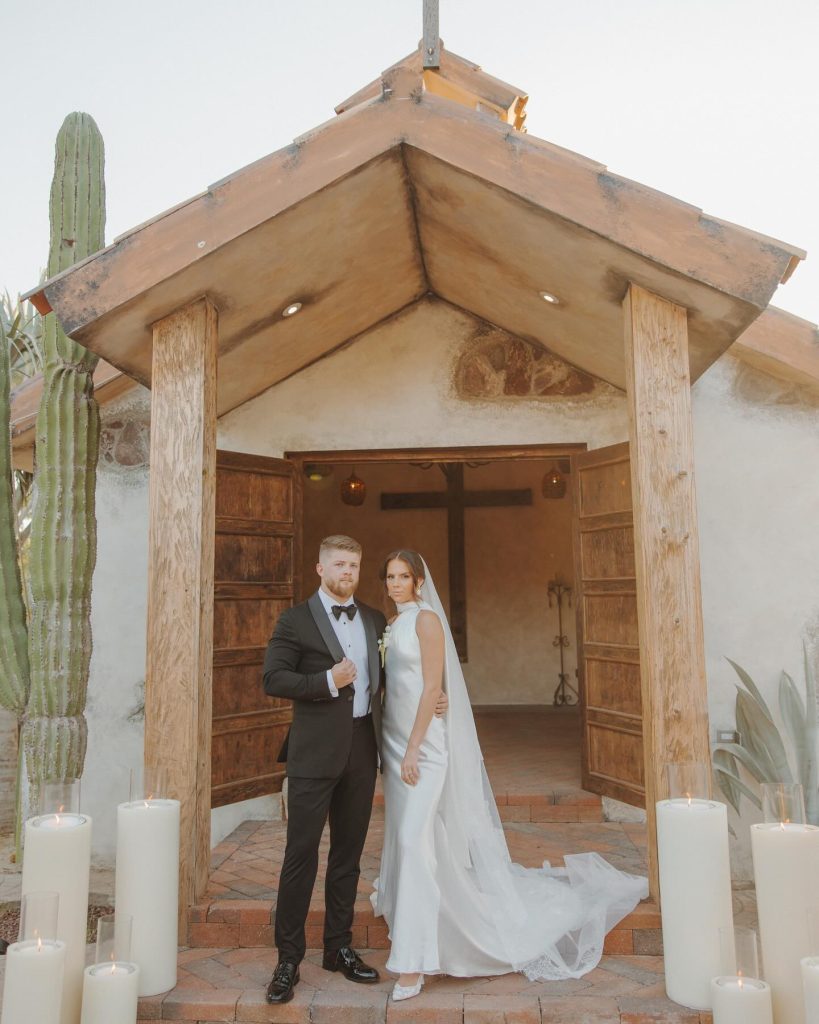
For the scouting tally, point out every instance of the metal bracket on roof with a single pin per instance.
(431, 43)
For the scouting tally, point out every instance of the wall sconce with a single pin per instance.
(554, 484)
(353, 490)
(317, 471)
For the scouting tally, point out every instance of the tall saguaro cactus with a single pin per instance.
(50, 680)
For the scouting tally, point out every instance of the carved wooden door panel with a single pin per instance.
(257, 564)
(608, 644)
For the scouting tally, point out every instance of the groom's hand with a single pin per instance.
(442, 705)
(344, 673)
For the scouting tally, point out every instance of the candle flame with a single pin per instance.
(39, 944)
(689, 798)
(739, 979)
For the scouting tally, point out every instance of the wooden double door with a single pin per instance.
(607, 628)
(257, 576)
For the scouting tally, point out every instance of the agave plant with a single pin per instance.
(766, 753)
(21, 329)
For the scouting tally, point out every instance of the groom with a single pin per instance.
(324, 657)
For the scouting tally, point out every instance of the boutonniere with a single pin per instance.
(383, 644)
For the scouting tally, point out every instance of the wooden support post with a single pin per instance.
(669, 607)
(180, 578)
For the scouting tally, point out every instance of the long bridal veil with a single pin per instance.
(550, 922)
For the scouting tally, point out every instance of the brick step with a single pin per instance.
(229, 985)
(249, 923)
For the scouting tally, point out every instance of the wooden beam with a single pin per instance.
(180, 578)
(471, 499)
(482, 453)
(669, 607)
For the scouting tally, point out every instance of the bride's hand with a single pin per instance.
(442, 705)
(409, 767)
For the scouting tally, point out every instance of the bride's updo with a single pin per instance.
(413, 561)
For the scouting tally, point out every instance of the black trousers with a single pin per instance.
(347, 800)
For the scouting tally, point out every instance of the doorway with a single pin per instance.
(495, 538)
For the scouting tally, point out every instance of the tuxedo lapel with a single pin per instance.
(319, 614)
(373, 657)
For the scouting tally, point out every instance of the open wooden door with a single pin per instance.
(607, 640)
(256, 576)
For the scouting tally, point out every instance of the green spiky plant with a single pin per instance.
(766, 753)
(44, 658)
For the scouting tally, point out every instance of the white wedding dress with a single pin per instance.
(451, 896)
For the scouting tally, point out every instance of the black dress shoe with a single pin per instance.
(285, 977)
(351, 966)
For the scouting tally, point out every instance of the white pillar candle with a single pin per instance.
(737, 1000)
(786, 867)
(695, 895)
(810, 987)
(110, 993)
(34, 982)
(147, 888)
(57, 858)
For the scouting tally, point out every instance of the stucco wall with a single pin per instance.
(118, 609)
(757, 451)
(757, 446)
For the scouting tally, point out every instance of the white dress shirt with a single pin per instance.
(353, 639)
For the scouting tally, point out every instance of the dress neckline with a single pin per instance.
(405, 606)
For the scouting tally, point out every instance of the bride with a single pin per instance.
(452, 898)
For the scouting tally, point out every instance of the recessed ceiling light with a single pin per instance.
(548, 297)
(292, 309)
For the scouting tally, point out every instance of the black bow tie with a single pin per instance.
(348, 609)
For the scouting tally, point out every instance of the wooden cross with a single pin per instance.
(456, 499)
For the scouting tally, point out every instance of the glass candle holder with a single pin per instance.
(111, 985)
(783, 803)
(114, 938)
(148, 782)
(58, 796)
(739, 950)
(689, 781)
(38, 916)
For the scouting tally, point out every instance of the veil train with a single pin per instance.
(550, 923)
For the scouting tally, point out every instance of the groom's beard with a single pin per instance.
(341, 588)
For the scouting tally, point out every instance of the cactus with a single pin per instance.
(63, 530)
(14, 666)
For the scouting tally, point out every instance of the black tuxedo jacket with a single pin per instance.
(303, 647)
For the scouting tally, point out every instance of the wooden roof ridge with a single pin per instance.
(625, 211)
(456, 78)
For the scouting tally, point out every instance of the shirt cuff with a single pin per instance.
(331, 684)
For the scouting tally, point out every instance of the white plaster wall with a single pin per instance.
(393, 388)
(118, 609)
(757, 453)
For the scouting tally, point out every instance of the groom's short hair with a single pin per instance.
(339, 542)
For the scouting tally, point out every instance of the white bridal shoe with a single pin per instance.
(407, 991)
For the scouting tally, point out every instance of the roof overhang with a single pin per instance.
(410, 192)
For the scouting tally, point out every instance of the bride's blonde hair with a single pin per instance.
(411, 559)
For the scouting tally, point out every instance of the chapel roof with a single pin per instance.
(424, 183)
